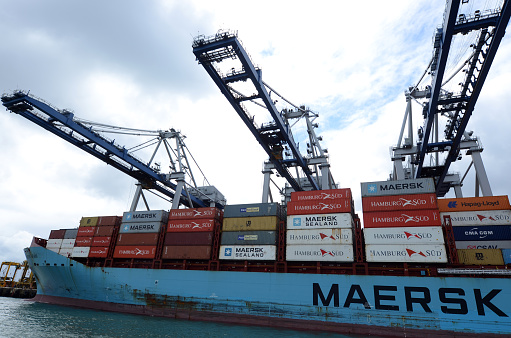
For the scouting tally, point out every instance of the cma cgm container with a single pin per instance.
(474, 203)
(321, 195)
(319, 236)
(482, 233)
(399, 202)
(404, 235)
(401, 187)
(320, 253)
(488, 217)
(406, 253)
(320, 221)
(410, 218)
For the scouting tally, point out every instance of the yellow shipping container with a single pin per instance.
(250, 223)
(89, 221)
(480, 256)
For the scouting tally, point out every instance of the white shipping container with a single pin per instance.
(248, 252)
(319, 236)
(483, 244)
(80, 251)
(54, 243)
(68, 243)
(66, 252)
(323, 253)
(408, 235)
(53, 249)
(406, 253)
(485, 217)
(320, 221)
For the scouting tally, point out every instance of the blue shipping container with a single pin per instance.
(506, 253)
(482, 233)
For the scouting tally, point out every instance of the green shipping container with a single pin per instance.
(250, 223)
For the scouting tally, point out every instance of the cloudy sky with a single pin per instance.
(131, 64)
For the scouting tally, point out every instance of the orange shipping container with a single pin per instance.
(98, 252)
(474, 203)
(134, 251)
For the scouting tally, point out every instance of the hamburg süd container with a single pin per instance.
(83, 241)
(483, 245)
(66, 252)
(260, 223)
(54, 249)
(320, 221)
(313, 195)
(191, 225)
(80, 251)
(319, 207)
(248, 252)
(71, 233)
(399, 202)
(482, 233)
(319, 236)
(480, 257)
(406, 253)
(485, 217)
(54, 243)
(249, 238)
(68, 243)
(254, 210)
(404, 235)
(145, 216)
(85, 231)
(109, 220)
(142, 227)
(89, 221)
(137, 239)
(101, 241)
(401, 187)
(188, 238)
(106, 230)
(186, 252)
(57, 234)
(473, 203)
(320, 253)
(135, 251)
(196, 213)
(98, 252)
(410, 218)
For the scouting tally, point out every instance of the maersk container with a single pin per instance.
(140, 227)
(480, 257)
(403, 253)
(186, 252)
(254, 210)
(313, 195)
(506, 255)
(71, 233)
(394, 219)
(249, 238)
(320, 221)
(401, 187)
(57, 234)
(83, 241)
(89, 221)
(145, 216)
(250, 223)
(106, 230)
(483, 245)
(98, 252)
(80, 251)
(109, 220)
(85, 231)
(188, 238)
(68, 243)
(482, 233)
(404, 235)
(54, 243)
(474, 203)
(135, 251)
(319, 236)
(66, 252)
(248, 252)
(399, 202)
(101, 241)
(487, 217)
(320, 253)
(137, 239)
(319, 207)
(196, 213)
(192, 225)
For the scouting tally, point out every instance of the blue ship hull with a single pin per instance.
(381, 305)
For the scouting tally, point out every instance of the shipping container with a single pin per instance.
(312, 195)
(394, 219)
(404, 235)
(101, 241)
(319, 236)
(319, 207)
(320, 221)
(482, 233)
(506, 255)
(188, 238)
(57, 234)
(80, 251)
(71, 233)
(254, 210)
(54, 249)
(98, 252)
(249, 238)
(190, 225)
(135, 251)
(89, 221)
(137, 239)
(320, 253)
(248, 252)
(196, 213)
(109, 220)
(105, 230)
(483, 245)
(399, 202)
(474, 203)
(186, 252)
(401, 187)
(480, 257)
(488, 217)
(66, 252)
(85, 231)
(137, 228)
(145, 216)
(83, 241)
(406, 253)
(54, 243)
(68, 243)
(250, 223)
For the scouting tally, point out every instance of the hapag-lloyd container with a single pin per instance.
(248, 238)
(393, 219)
(483, 245)
(142, 227)
(474, 203)
(196, 213)
(85, 231)
(260, 223)
(83, 241)
(399, 202)
(481, 257)
(482, 233)
(191, 225)
(89, 221)
(80, 251)
(404, 235)
(106, 230)
(186, 252)
(134, 251)
(145, 216)
(485, 217)
(412, 253)
(320, 253)
(319, 236)
(188, 238)
(137, 239)
(101, 241)
(98, 252)
(320, 221)
(254, 210)
(313, 195)
(68, 243)
(401, 187)
(319, 207)
(248, 252)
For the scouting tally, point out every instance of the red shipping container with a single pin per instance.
(109, 220)
(138, 239)
(399, 202)
(393, 219)
(57, 234)
(196, 213)
(134, 251)
(187, 252)
(321, 195)
(85, 231)
(192, 225)
(83, 241)
(98, 252)
(188, 238)
(101, 241)
(107, 230)
(319, 207)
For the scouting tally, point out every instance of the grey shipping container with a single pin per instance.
(401, 187)
(248, 237)
(70, 233)
(140, 227)
(145, 216)
(254, 210)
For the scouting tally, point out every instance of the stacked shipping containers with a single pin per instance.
(402, 222)
(84, 237)
(105, 232)
(320, 226)
(62, 241)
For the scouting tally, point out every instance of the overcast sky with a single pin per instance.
(131, 64)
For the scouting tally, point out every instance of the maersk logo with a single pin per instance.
(297, 222)
(228, 252)
(372, 188)
(452, 204)
(129, 216)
